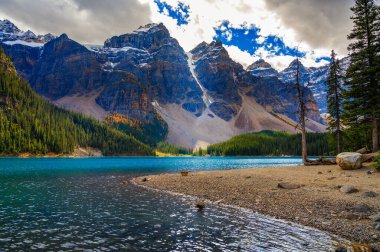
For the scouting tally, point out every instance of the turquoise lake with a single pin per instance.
(72, 204)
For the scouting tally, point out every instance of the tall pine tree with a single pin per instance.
(334, 99)
(362, 105)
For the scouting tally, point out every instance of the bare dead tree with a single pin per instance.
(302, 111)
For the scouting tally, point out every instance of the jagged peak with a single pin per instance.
(216, 44)
(294, 63)
(140, 37)
(8, 27)
(261, 63)
(63, 37)
(150, 27)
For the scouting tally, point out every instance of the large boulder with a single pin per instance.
(349, 160)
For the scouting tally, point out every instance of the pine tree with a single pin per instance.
(334, 99)
(362, 104)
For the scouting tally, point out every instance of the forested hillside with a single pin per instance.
(30, 124)
(271, 143)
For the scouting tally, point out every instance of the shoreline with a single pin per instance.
(337, 240)
(316, 201)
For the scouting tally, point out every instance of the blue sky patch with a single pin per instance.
(179, 12)
(323, 58)
(247, 38)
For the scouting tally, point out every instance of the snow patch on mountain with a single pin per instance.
(207, 99)
(25, 43)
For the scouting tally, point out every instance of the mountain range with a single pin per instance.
(145, 76)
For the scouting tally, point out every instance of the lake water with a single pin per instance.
(81, 205)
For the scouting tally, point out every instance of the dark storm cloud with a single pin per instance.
(320, 23)
(87, 21)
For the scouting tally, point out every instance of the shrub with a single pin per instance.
(377, 165)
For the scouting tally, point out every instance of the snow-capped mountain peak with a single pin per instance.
(7, 26)
(12, 35)
(262, 68)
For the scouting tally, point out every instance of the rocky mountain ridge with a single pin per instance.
(147, 73)
(315, 78)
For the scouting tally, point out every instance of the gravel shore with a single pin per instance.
(315, 198)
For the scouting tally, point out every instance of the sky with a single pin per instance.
(275, 30)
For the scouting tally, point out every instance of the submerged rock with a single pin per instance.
(349, 160)
(200, 205)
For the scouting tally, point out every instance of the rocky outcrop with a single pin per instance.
(262, 69)
(217, 72)
(313, 78)
(160, 64)
(349, 160)
(280, 98)
(66, 67)
(124, 94)
(10, 32)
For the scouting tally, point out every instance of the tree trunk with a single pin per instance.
(375, 136)
(338, 132)
(304, 149)
(302, 108)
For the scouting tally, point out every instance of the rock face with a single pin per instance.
(262, 69)
(66, 67)
(217, 73)
(349, 160)
(10, 32)
(313, 78)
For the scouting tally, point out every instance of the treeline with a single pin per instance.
(30, 124)
(173, 149)
(272, 143)
(353, 97)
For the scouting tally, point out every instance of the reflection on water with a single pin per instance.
(88, 210)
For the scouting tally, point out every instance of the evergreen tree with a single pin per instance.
(362, 103)
(334, 99)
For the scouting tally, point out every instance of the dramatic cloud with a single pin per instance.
(276, 30)
(87, 21)
(321, 23)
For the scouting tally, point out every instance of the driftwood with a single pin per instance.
(320, 161)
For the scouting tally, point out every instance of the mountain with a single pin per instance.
(262, 69)
(13, 35)
(313, 78)
(201, 96)
(31, 124)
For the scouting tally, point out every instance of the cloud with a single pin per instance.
(270, 29)
(83, 20)
(319, 23)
